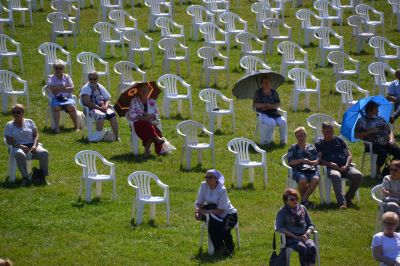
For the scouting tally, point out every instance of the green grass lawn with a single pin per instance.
(49, 226)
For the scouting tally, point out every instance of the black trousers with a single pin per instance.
(382, 152)
(220, 232)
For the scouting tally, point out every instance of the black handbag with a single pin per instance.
(37, 177)
(277, 259)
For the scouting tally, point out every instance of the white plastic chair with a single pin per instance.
(12, 164)
(140, 181)
(61, 24)
(304, 15)
(300, 77)
(329, 13)
(216, 6)
(290, 250)
(125, 69)
(315, 122)
(87, 159)
(211, 97)
(395, 4)
(89, 123)
(50, 52)
(7, 19)
(16, 6)
(109, 35)
(273, 26)
(359, 32)
(231, 20)
(378, 70)
(377, 195)
(323, 34)
(134, 139)
(156, 11)
(261, 128)
(246, 39)
(89, 62)
(135, 39)
(372, 156)
(250, 63)
(365, 11)
(170, 29)
(291, 182)
(172, 53)
(6, 42)
(204, 226)
(339, 4)
(169, 84)
(8, 81)
(345, 88)
(122, 20)
(111, 5)
(288, 51)
(340, 61)
(190, 131)
(209, 54)
(199, 15)
(240, 148)
(378, 43)
(210, 32)
(68, 8)
(263, 11)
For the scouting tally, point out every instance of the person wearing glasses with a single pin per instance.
(97, 99)
(60, 87)
(23, 136)
(294, 221)
(303, 158)
(212, 199)
(391, 188)
(386, 245)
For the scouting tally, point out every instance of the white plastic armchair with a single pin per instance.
(68, 8)
(209, 54)
(365, 11)
(7, 18)
(240, 148)
(288, 51)
(170, 29)
(251, 63)
(121, 18)
(169, 84)
(16, 6)
(273, 27)
(300, 77)
(140, 181)
(246, 39)
(211, 98)
(323, 34)
(377, 195)
(359, 31)
(340, 61)
(378, 43)
(174, 51)
(395, 4)
(217, 6)
(109, 35)
(263, 11)
(50, 50)
(329, 13)
(157, 8)
(305, 15)
(9, 48)
(210, 32)
(345, 88)
(190, 131)
(61, 24)
(378, 70)
(135, 40)
(125, 69)
(338, 3)
(199, 15)
(109, 5)
(9, 82)
(231, 20)
(315, 122)
(90, 62)
(87, 160)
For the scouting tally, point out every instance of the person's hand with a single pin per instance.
(24, 148)
(33, 149)
(304, 237)
(344, 168)
(392, 141)
(103, 109)
(385, 192)
(306, 161)
(197, 215)
(334, 166)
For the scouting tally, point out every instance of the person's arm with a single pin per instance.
(86, 101)
(35, 140)
(391, 98)
(280, 225)
(198, 204)
(222, 205)
(365, 132)
(331, 165)
(377, 253)
(392, 140)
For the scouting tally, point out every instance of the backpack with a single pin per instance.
(37, 177)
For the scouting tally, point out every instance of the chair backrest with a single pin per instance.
(263, 11)
(212, 5)
(378, 44)
(15, 4)
(377, 193)
(250, 63)
(315, 121)
(273, 25)
(207, 54)
(288, 50)
(165, 24)
(210, 97)
(228, 19)
(240, 147)
(87, 59)
(299, 76)
(357, 23)
(124, 69)
(118, 17)
(378, 69)
(169, 45)
(209, 30)
(142, 180)
(190, 129)
(134, 36)
(3, 42)
(337, 59)
(345, 88)
(363, 10)
(49, 50)
(88, 158)
(7, 78)
(323, 7)
(57, 20)
(305, 16)
(245, 39)
(323, 35)
(155, 6)
(106, 30)
(197, 12)
(168, 83)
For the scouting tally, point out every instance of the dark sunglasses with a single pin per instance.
(390, 223)
(16, 112)
(392, 169)
(93, 79)
(58, 68)
(208, 177)
(292, 198)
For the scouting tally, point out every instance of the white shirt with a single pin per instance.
(390, 245)
(217, 196)
(23, 135)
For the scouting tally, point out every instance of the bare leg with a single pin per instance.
(302, 187)
(114, 126)
(311, 187)
(56, 115)
(74, 115)
(147, 148)
(99, 124)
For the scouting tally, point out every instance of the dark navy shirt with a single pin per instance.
(333, 151)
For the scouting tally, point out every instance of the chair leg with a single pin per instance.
(199, 156)
(152, 211)
(88, 190)
(98, 189)
(139, 215)
(239, 174)
(167, 211)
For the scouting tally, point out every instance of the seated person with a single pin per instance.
(373, 128)
(60, 86)
(386, 245)
(391, 188)
(303, 158)
(294, 221)
(22, 134)
(97, 98)
(212, 199)
(393, 95)
(333, 153)
(266, 101)
(144, 113)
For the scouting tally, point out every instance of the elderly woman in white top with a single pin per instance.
(60, 86)
(213, 199)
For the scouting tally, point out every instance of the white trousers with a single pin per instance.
(268, 127)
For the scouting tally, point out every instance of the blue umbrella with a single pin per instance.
(351, 116)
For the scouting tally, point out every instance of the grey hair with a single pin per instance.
(59, 62)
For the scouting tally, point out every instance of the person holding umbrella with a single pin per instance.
(266, 101)
(373, 128)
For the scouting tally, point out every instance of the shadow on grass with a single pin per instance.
(11, 185)
(332, 207)
(80, 203)
(369, 182)
(150, 223)
(204, 258)
(48, 130)
(197, 169)
(248, 187)
(269, 147)
(129, 157)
